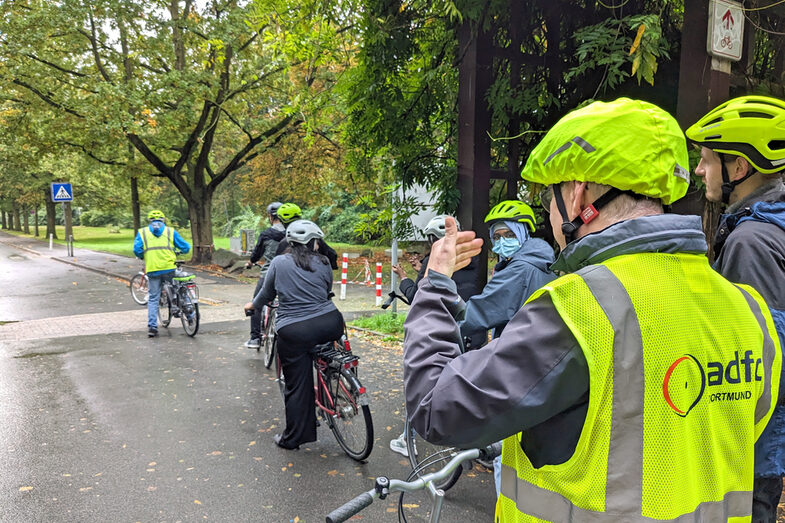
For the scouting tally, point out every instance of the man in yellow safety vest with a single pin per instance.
(158, 245)
(634, 387)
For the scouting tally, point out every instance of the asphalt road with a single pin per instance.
(100, 423)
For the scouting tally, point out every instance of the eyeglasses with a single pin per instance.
(499, 235)
(546, 195)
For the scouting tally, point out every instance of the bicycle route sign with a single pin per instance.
(726, 30)
(62, 192)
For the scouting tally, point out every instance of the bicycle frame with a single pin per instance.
(321, 384)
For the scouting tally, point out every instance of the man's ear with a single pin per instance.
(577, 198)
(740, 168)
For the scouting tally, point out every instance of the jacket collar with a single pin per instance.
(772, 191)
(662, 233)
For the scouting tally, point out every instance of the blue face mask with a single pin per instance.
(506, 247)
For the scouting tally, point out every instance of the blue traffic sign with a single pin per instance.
(62, 192)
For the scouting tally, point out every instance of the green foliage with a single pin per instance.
(387, 216)
(97, 218)
(386, 322)
(247, 219)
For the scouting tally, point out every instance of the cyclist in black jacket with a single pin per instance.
(265, 249)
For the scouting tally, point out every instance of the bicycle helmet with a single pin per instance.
(749, 126)
(435, 226)
(273, 208)
(156, 215)
(303, 231)
(511, 210)
(289, 212)
(631, 145)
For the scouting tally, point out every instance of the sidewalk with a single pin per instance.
(216, 292)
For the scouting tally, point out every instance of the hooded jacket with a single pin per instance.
(514, 280)
(751, 249)
(534, 378)
(157, 228)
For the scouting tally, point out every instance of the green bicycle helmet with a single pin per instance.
(289, 212)
(631, 145)
(511, 210)
(749, 126)
(155, 214)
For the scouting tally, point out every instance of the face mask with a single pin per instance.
(506, 247)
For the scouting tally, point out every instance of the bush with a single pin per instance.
(97, 218)
(386, 323)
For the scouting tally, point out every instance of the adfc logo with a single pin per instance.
(684, 384)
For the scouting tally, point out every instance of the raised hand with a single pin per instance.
(455, 251)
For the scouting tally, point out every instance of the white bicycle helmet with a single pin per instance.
(303, 231)
(435, 227)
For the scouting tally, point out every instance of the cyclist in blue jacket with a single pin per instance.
(158, 245)
(742, 160)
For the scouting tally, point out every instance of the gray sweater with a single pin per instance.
(302, 294)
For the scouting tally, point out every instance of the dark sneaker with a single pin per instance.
(152, 333)
(253, 343)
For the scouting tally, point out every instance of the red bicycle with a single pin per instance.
(340, 397)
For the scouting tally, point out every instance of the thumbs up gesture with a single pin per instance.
(455, 251)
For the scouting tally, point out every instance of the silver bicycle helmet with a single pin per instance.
(272, 209)
(435, 227)
(303, 231)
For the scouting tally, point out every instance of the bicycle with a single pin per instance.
(384, 486)
(269, 336)
(140, 287)
(341, 399)
(179, 298)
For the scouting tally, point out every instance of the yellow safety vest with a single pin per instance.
(684, 374)
(159, 252)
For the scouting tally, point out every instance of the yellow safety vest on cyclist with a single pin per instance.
(672, 419)
(159, 252)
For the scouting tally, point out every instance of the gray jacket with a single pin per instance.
(302, 294)
(534, 378)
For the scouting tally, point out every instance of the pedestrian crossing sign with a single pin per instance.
(62, 192)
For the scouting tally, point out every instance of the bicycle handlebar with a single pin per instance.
(347, 510)
(392, 295)
(385, 486)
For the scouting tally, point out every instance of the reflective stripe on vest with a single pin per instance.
(159, 252)
(624, 490)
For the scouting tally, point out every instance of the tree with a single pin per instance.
(198, 90)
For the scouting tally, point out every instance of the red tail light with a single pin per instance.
(346, 345)
(362, 390)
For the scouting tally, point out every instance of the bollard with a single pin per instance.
(378, 284)
(344, 269)
(71, 245)
(51, 237)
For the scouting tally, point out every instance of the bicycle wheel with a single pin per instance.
(270, 338)
(189, 313)
(164, 310)
(139, 288)
(351, 424)
(426, 457)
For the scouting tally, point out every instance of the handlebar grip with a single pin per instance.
(492, 451)
(349, 508)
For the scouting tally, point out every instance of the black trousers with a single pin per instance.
(256, 318)
(765, 497)
(295, 342)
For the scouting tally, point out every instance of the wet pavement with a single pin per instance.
(100, 423)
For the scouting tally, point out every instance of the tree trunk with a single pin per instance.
(135, 204)
(17, 220)
(50, 215)
(199, 210)
(35, 221)
(26, 219)
(2, 217)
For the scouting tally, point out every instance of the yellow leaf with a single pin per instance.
(25, 489)
(297, 475)
(638, 37)
(636, 63)
(197, 502)
(411, 505)
(332, 473)
(252, 443)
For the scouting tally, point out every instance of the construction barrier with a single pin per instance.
(378, 284)
(344, 269)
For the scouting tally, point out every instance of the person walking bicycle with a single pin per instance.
(158, 245)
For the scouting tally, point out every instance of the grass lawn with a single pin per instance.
(101, 239)
(385, 322)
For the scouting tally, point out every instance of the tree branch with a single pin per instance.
(46, 98)
(54, 66)
(235, 122)
(94, 45)
(91, 155)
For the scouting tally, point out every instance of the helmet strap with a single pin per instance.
(570, 228)
(729, 186)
